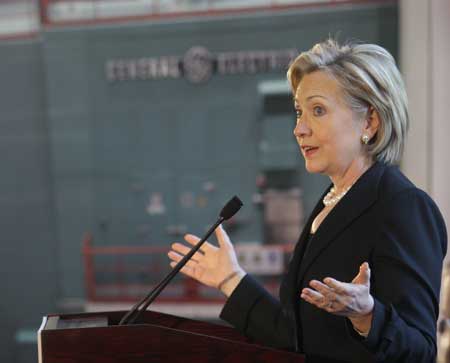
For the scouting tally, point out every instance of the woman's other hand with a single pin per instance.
(352, 300)
(212, 266)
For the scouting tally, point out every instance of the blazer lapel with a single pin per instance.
(290, 280)
(360, 197)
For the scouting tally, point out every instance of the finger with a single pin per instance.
(313, 297)
(182, 249)
(321, 287)
(313, 294)
(222, 237)
(366, 268)
(177, 258)
(363, 277)
(193, 240)
(187, 270)
(337, 286)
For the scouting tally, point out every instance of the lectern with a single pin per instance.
(96, 337)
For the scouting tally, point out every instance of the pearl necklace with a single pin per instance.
(332, 198)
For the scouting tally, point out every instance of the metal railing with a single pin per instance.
(115, 274)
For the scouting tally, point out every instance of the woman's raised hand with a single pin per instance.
(352, 300)
(213, 266)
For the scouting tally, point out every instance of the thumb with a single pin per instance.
(363, 277)
(222, 237)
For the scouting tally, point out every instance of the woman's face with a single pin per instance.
(327, 130)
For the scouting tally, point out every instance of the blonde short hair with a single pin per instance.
(368, 76)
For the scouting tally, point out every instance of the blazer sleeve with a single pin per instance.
(406, 268)
(258, 315)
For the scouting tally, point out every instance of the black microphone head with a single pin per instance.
(231, 208)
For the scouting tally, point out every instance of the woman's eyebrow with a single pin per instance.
(309, 98)
(313, 96)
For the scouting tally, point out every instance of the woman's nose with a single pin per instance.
(301, 129)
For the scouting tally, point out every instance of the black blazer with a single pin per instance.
(394, 226)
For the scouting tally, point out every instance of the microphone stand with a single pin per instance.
(135, 313)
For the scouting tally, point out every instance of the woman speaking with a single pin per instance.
(363, 282)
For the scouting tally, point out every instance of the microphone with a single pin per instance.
(228, 211)
(231, 208)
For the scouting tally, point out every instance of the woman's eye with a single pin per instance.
(318, 110)
(298, 114)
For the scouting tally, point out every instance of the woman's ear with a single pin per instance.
(372, 122)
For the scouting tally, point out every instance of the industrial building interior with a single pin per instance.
(127, 123)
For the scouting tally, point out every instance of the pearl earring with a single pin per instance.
(365, 139)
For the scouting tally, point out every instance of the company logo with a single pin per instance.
(198, 65)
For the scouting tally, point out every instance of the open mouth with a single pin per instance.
(309, 150)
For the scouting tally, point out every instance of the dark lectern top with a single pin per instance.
(97, 337)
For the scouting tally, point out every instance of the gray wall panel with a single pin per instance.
(29, 248)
